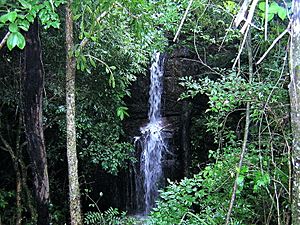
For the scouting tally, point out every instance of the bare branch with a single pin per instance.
(4, 39)
(7, 147)
(266, 20)
(272, 45)
(182, 20)
(250, 16)
(241, 49)
(241, 14)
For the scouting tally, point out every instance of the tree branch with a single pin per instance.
(246, 133)
(273, 43)
(182, 20)
(4, 39)
(7, 147)
(241, 14)
(241, 48)
(250, 16)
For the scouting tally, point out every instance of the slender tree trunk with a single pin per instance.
(74, 191)
(18, 187)
(18, 172)
(185, 136)
(33, 83)
(246, 130)
(294, 89)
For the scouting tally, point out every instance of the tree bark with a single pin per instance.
(294, 89)
(33, 84)
(74, 191)
(185, 136)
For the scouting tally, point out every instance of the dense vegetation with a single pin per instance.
(244, 173)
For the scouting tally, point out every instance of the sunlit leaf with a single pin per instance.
(13, 28)
(25, 4)
(10, 16)
(282, 13)
(15, 39)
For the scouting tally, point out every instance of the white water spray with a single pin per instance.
(153, 141)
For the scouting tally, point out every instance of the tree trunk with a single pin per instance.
(294, 89)
(185, 136)
(18, 171)
(74, 191)
(33, 83)
(246, 130)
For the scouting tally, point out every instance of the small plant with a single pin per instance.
(112, 216)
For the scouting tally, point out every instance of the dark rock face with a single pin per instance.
(176, 116)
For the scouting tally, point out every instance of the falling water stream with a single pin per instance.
(152, 138)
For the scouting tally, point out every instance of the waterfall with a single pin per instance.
(152, 139)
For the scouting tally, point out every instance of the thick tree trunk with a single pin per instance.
(294, 89)
(74, 191)
(33, 83)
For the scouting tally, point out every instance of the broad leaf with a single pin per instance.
(262, 6)
(15, 39)
(13, 28)
(282, 13)
(10, 16)
(21, 40)
(274, 7)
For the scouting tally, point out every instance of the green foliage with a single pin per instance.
(15, 39)
(109, 217)
(122, 112)
(19, 15)
(121, 35)
(263, 180)
(4, 198)
(205, 197)
(273, 9)
(7, 209)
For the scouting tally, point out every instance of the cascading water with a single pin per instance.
(152, 139)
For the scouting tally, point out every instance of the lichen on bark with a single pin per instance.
(74, 191)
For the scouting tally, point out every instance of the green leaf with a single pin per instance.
(21, 40)
(262, 6)
(270, 16)
(30, 18)
(76, 17)
(13, 28)
(240, 181)
(24, 25)
(111, 81)
(92, 62)
(274, 7)
(15, 39)
(25, 4)
(282, 13)
(12, 41)
(10, 16)
(55, 24)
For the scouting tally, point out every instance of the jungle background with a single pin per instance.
(230, 77)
